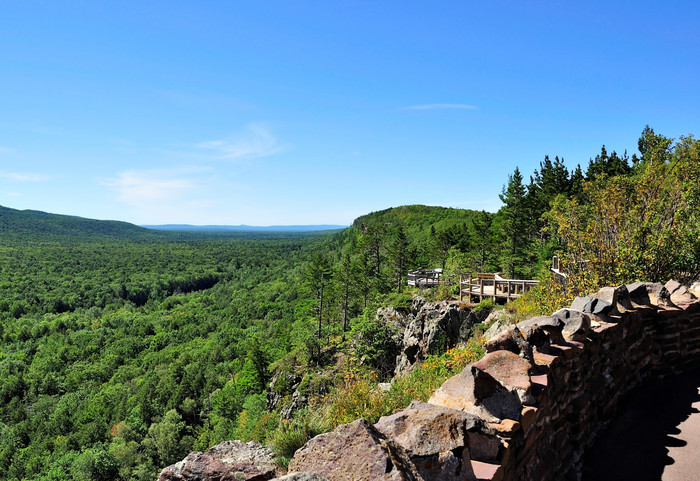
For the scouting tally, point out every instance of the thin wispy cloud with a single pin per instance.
(441, 107)
(257, 141)
(140, 187)
(5, 149)
(23, 177)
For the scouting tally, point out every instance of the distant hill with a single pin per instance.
(244, 228)
(24, 225)
(30, 224)
(418, 219)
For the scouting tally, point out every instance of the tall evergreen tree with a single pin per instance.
(516, 216)
(399, 254)
(609, 165)
(318, 276)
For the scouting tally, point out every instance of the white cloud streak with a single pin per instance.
(23, 177)
(140, 187)
(441, 107)
(257, 141)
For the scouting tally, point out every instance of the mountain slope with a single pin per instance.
(31, 224)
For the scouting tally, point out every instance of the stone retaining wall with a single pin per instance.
(534, 403)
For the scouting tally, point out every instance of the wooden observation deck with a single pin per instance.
(424, 277)
(487, 285)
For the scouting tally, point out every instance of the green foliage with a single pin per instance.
(373, 341)
(360, 397)
(642, 226)
(290, 436)
(122, 349)
(484, 308)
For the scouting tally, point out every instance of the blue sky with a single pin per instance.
(303, 112)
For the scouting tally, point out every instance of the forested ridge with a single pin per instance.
(122, 349)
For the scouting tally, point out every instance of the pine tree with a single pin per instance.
(516, 217)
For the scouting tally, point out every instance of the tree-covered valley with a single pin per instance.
(122, 349)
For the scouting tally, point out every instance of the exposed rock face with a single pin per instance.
(282, 383)
(511, 370)
(541, 331)
(649, 293)
(475, 391)
(511, 340)
(577, 324)
(592, 305)
(680, 294)
(355, 452)
(432, 327)
(500, 320)
(228, 461)
(539, 417)
(302, 477)
(435, 438)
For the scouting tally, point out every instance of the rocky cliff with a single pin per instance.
(423, 329)
(532, 405)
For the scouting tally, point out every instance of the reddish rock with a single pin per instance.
(228, 461)
(649, 294)
(511, 370)
(511, 340)
(475, 391)
(439, 440)
(541, 331)
(593, 305)
(680, 294)
(302, 477)
(354, 452)
(577, 324)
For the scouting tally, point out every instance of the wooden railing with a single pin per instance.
(424, 277)
(487, 285)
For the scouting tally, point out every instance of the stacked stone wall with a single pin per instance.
(540, 396)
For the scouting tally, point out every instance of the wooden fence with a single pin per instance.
(424, 277)
(487, 285)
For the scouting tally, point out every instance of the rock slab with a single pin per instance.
(435, 438)
(355, 452)
(228, 461)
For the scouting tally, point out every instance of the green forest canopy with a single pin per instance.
(122, 349)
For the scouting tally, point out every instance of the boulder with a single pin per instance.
(649, 294)
(577, 324)
(435, 438)
(227, 461)
(618, 297)
(475, 391)
(302, 476)
(592, 305)
(499, 320)
(550, 325)
(354, 452)
(695, 289)
(511, 340)
(679, 293)
(511, 370)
